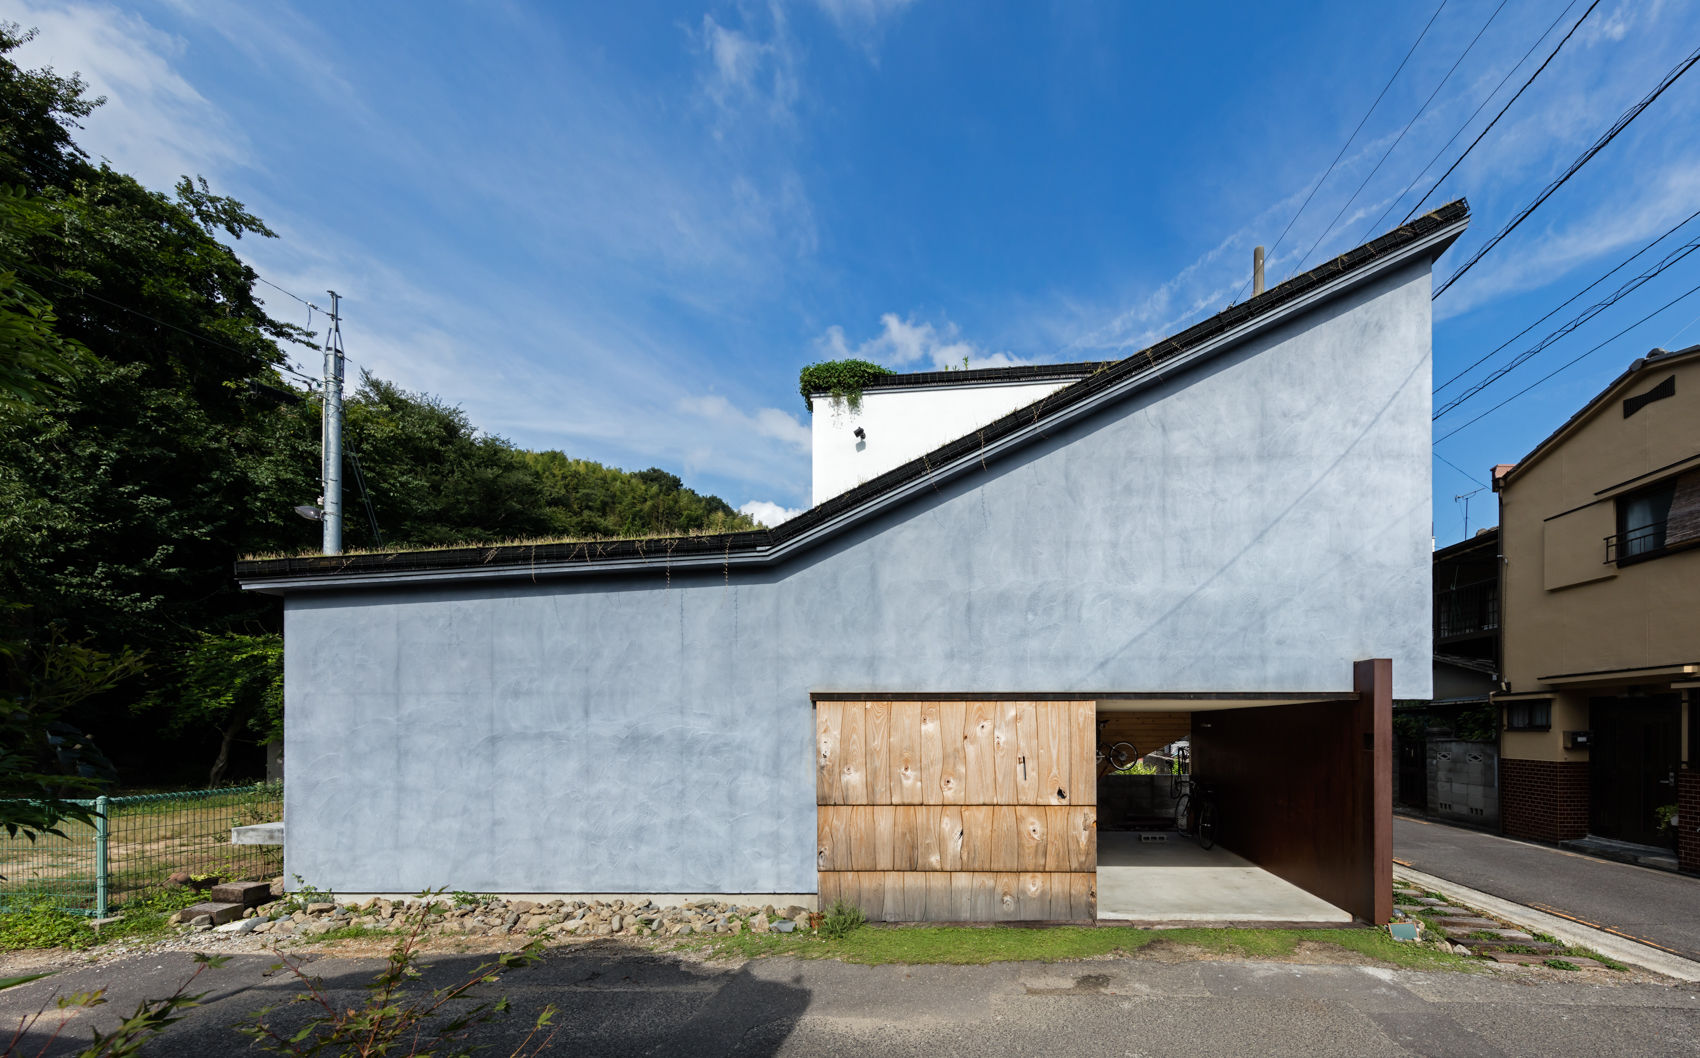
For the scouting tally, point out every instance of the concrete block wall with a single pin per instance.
(1546, 800)
(1463, 781)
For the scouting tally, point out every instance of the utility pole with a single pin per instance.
(330, 468)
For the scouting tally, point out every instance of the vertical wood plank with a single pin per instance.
(829, 887)
(895, 905)
(1082, 753)
(864, 850)
(928, 853)
(915, 896)
(852, 755)
(884, 838)
(950, 838)
(1005, 754)
(1033, 896)
(1082, 838)
(1058, 838)
(1004, 901)
(906, 753)
(979, 750)
(825, 859)
(940, 905)
(1029, 763)
(904, 840)
(962, 895)
(1055, 719)
(1031, 840)
(838, 841)
(977, 837)
(1005, 842)
(983, 907)
(870, 894)
(953, 768)
(827, 716)
(1081, 905)
(877, 733)
(932, 753)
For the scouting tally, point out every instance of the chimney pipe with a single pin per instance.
(1257, 271)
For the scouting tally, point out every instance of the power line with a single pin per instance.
(213, 342)
(1570, 363)
(1622, 123)
(1349, 140)
(1502, 111)
(1460, 469)
(1581, 318)
(1400, 197)
(1550, 313)
(1400, 138)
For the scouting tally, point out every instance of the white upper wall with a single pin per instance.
(901, 423)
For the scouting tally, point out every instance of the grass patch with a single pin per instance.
(354, 932)
(959, 945)
(1560, 964)
(45, 925)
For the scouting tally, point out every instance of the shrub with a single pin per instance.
(841, 920)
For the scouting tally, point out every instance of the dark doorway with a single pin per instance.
(1413, 772)
(1632, 765)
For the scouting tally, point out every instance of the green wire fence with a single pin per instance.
(137, 843)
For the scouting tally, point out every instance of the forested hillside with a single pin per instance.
(148, 439)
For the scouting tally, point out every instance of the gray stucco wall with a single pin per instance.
(1255, 524)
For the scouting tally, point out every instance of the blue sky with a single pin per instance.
(620, 229)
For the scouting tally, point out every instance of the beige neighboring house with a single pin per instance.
(1600, 540)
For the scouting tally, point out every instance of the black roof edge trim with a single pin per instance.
(730, 546)
(1008, 373)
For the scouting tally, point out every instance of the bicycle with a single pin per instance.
(1195, 813)
(1121, 756)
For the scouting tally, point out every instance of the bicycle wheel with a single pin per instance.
(1183, 810)
(1123, 755)
(1206, 825)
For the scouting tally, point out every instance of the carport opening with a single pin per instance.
(1153, 863)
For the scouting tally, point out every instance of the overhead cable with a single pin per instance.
(1349, 139)
(1399, 138)
(1570, 363)
(1554, 310)
(1375, 225)
(1501, 113)
(1622, 123)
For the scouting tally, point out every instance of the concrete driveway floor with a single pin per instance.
(619, 1001)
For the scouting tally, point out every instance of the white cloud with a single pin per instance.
(903, 341)
(749, 68)
(154, 125)
(764, 422)
(769, 514)
(861, 21)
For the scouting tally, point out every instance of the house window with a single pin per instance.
(1529, 716)
(1642, 519)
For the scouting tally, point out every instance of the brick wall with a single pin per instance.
(1543, 799)
(1688, 811)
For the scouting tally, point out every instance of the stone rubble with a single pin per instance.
(485, 916)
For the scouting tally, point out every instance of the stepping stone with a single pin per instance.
(1429, 901)
(1484, 946)
(1464, 922)
(248, 894)
(219, 912)
(1514, 958)
(1413, 893)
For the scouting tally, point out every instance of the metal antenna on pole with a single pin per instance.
(330, 470)
(1465, 496)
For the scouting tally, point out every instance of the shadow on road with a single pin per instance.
(610, 1001)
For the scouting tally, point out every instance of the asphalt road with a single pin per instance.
(1639, 902)
(618, 1002)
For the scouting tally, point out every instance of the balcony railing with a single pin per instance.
(1468, 610)
(1643, 541)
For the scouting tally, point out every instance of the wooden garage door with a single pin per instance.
(958, 811)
